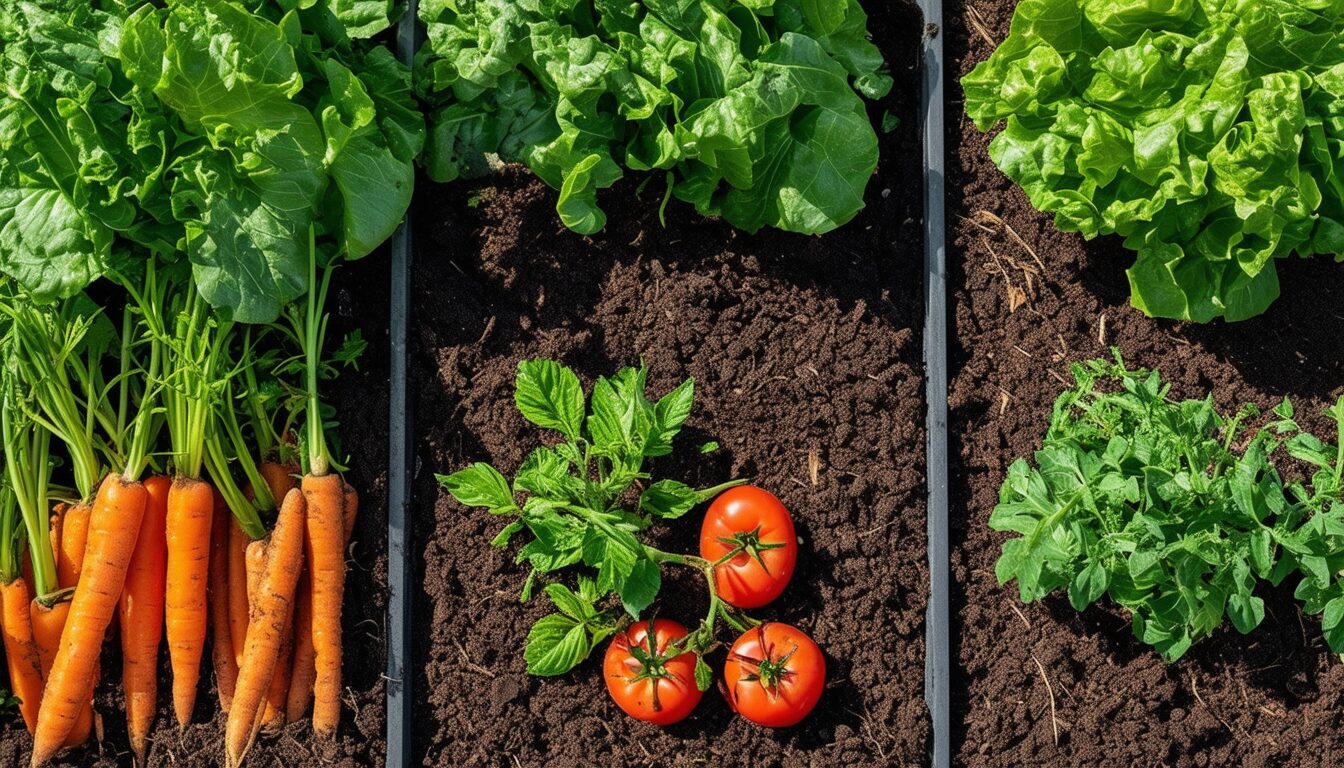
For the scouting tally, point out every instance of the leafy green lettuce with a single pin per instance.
(754, 110)
(213, 129)
(1208, 133)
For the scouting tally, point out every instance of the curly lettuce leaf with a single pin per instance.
(1207, 133)
(219, 130)
(755, 110)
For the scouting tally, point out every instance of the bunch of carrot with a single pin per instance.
(240, 521)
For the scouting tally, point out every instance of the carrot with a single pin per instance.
(225, 661)
(256, 569)
(48, 625)
(238, 593)
(275, 713)
(279, 479)
(303, 671)
(21, 656)
(114, 525)
(274, 595)
(141, 615)
(191, 506)
(54, 535)
(350, 510)
(326, 536)
(74, 537)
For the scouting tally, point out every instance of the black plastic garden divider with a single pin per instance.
(937, 631)
(400, 437)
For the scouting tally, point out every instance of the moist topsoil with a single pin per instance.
(1271, 698)
(807, 359)
(358, 301)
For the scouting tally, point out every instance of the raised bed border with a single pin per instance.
(937, 630)
(937, 651)
(400, 435)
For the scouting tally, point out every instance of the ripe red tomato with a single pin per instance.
(754, 532)
(774, 675)
(646, 682)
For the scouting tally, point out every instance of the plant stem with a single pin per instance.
(708, 493)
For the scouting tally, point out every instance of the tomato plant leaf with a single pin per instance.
(670, 413)
(481, 485)
(704, 676)
(570, 604)
(505, 534)
(549, 395)
(668, 499)
(641, 586)
(555, 645)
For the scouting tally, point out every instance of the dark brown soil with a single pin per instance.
(358, 301)
(1267, 699)
(800, 347)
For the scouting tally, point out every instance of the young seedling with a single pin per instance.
(587, 502)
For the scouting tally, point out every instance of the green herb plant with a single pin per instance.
(587, 503)
(1172, 510)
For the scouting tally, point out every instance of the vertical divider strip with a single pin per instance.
(399, 451)
(937, 638)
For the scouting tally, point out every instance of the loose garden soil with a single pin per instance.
(1271, 698)
(807, 359)
(359, 300)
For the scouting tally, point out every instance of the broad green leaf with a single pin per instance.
(1088, 586)
(704, 676)
(549, 395)
(480, 485)
(555, 645)
(668, 499)
(568, 603)
(753, 109)
(640, 587)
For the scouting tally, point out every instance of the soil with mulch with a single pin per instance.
(1099, 697)
(807, 359)
(358, 302)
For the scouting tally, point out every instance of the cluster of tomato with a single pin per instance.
(774, 674)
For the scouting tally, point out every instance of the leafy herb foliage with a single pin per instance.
(1172, 510)
(754, 108)
(1206, 132)
(578, 503)
(221, 130)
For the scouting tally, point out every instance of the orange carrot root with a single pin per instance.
(237, 575)
(73, 542)
(48, 626)
(325, 495)
(303, 672)
(141, 615)
(273, 595)
(222, 653)
(191, 505)
(114, 525)
(279, 479)
(21, 654)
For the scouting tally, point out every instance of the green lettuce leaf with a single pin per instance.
(1207, 133)
(755, 110)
